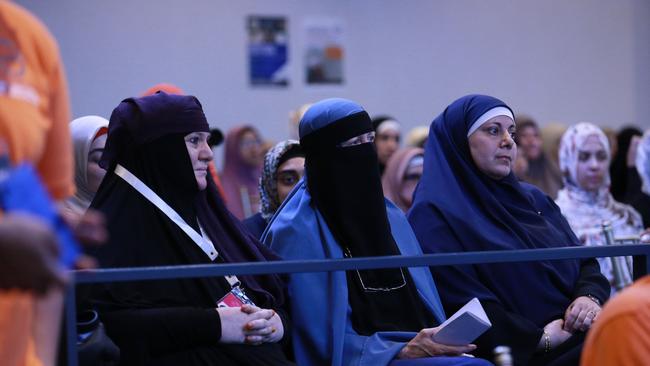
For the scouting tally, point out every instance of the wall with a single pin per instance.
(556, 60)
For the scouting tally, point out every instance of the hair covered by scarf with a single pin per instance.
(571, 142)
(84, 131)
(270, 200)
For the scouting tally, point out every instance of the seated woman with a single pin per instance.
(469, 200)
(88, 137)
(369, 317)
(402, 175)
(284, 165)
(162, 209)
(586, 202)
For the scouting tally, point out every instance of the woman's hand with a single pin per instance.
(556, 335)
(582, 312)
(423, 345)
(267, 328)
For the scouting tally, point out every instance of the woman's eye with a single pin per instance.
(493, 131)
(601, 156)
(513, 134)
(582, 156)
(194, 140)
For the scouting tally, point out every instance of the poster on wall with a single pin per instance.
(324, 54)
(267, 50)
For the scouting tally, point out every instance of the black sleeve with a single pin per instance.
(591, 281)
(144, 332)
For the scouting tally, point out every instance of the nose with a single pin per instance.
(205, 153)
(507, 140)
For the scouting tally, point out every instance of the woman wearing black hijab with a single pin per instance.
(162, 208)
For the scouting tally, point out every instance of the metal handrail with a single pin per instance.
(641, 252)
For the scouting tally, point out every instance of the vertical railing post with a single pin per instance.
(71, 322)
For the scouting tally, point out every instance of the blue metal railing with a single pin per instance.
(640, 252)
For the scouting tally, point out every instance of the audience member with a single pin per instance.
(338, 210)
(541, 171)
(387, 137)
(622, 334)
(88, 137)
(162, 208)
(469, 200)
(641, 201)
(622, 167)
(417, 136)
(242, 169)
(585, 200)
(402, 175)
(284, 166)
(551, 136)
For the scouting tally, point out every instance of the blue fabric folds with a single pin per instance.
(322, 331)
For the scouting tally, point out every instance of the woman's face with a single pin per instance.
(592, 164)
(530, 142)
(95, 173)
(200, 155)
(289, 173)
(250, 149)
(493, 148)
(387, 143)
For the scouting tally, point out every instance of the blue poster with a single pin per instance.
(267, 50)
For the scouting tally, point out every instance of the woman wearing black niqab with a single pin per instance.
(161, 140)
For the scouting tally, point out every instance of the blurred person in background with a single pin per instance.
(417, 136)
(626, 183)
(641, 202)
(551, 137)
(88, 138)
(585, 200)
(34, 116)
(540, 170)
(284, 166)
(242, 169)
(387, 139)
(402, 175)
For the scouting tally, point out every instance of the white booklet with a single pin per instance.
(464, 326)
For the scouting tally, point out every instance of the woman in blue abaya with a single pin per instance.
(469, 200)
(370, 317)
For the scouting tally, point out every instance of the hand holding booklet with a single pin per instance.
(464, 326)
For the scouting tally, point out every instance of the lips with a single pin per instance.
(504, 157)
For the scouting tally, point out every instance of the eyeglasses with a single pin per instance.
(358, 140)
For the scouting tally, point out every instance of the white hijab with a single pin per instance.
(83, 131)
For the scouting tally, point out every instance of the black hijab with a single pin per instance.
(146, 136)
(345, 185)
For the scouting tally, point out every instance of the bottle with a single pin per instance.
(502, 356)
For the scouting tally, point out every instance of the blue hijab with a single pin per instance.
(322, 304)
(457, 208)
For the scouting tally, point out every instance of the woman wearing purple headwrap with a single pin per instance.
(162, 208)
(241, 171)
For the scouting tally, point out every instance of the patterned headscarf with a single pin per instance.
(572, 140)
(270, 201)
(643, 162)
(586, 211)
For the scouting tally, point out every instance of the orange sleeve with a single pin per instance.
(56, 166)
(624, 341)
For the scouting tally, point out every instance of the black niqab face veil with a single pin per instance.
(345, 185)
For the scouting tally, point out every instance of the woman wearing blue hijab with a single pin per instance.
(469, 200)
(368, 317)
